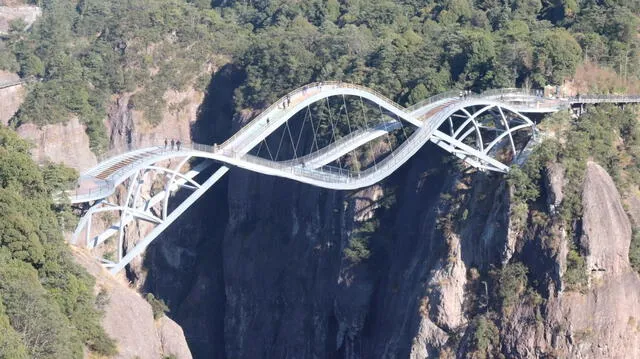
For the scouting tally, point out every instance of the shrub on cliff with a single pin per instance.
(158, 306)
(634, 250)
(511, 284)
(486, 339)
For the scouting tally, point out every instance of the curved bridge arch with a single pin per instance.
(427, 119)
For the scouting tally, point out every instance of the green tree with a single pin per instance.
(556, 57)
(11, 346)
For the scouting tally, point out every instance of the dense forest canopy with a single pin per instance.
(85, 51)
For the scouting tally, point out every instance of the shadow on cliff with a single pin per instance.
(188, 281)
(214, 120)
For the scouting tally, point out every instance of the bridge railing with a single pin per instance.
(79, 195)
(115, 152)
(310, 87)
(455, 94)
(530, 98)
(433, 99)
(105, 160)
(605, 99)
(512, 91)
(342, 141)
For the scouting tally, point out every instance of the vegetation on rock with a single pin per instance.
(47, 305)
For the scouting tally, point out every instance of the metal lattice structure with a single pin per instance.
(480, 129)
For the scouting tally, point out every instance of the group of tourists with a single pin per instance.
(318, 85)
(464, 94)
(175, 144)
(285, 103)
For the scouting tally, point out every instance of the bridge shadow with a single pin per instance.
(178, 272)
(214, 121)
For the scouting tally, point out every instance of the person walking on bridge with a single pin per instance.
(173, 143)
(178, 143)
(165, 143)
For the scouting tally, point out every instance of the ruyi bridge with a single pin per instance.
(334, 135)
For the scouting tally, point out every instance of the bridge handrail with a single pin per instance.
(510, 91)
(433, 99)
(301, 89)
(130, 148)
(487, 93)
(389, 125)
(605, 98)
(101, 191)
(207, 148)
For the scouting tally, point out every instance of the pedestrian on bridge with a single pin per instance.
(178, 143)
(173, 143)
(288, 101)
(165, 143)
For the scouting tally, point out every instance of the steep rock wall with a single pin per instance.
(129, 128)
(602, 322)
(66, 143)
(128, 319)
(11, 97)
(262, 270)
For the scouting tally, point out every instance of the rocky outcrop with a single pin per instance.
(14, 10)
(600, 321)
(10, 97)
(65, 143)
(129, 319)
(554, 182)
(172, 339)
(603, 322)
(281, 266)
(129, 128)
(605, 225)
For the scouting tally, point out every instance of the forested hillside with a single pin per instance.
(47, 305)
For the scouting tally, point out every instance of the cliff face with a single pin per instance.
(258, 268)
(10, 97)
(67, 143)
(128, 127)
(285, 287)
(129, 318)
(603, 321)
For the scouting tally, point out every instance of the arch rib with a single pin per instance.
(167, 189)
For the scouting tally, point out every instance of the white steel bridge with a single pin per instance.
(484, 130)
